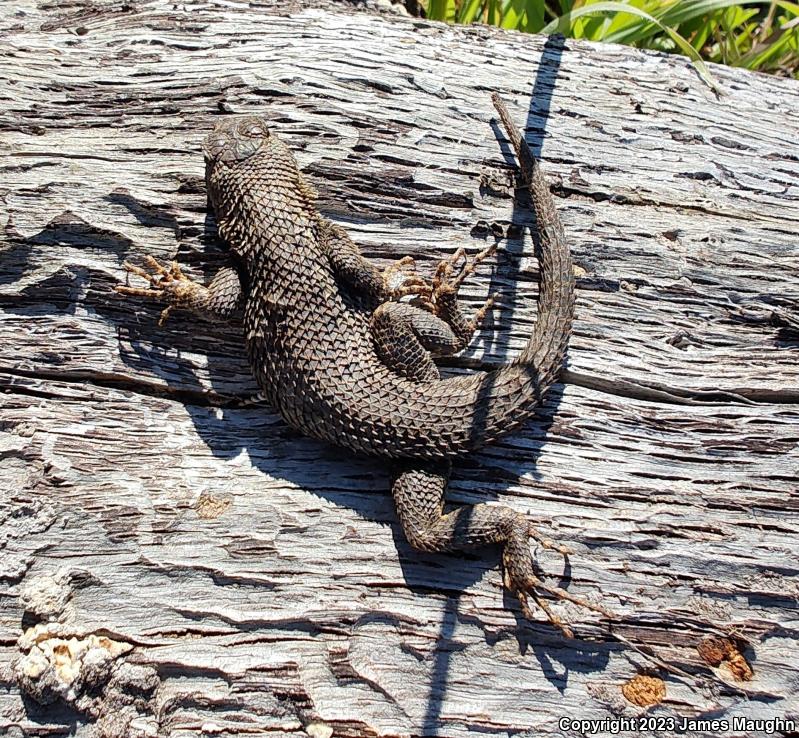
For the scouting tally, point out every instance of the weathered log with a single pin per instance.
(176, 562)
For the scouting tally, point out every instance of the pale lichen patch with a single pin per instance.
(56, 665)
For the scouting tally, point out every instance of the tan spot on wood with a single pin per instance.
(644, 690)
(724, 652)
(209, 507)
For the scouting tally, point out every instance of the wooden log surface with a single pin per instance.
(176, 562)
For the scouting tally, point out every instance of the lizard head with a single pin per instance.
(234, 139)
(246, 166)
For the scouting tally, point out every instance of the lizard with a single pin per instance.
(344, 359)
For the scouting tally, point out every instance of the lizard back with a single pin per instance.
(309, 341)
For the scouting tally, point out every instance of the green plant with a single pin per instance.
(754, 34)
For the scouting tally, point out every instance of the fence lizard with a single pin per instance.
(345, 361)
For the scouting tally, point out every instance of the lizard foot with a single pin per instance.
(168, 285)
(520, 579)
(447, 281)
(445, 278)
(400, 280)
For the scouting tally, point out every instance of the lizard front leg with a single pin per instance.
(220, 300)
(397, 280)
(418, 491)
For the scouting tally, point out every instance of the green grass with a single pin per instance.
(758, 34)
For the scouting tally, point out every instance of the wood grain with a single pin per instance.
(196, 568)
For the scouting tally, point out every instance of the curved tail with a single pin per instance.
(500, 401)
(546, 350)
(456, 415)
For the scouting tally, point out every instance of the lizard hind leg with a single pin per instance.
(406, 338)
(418, 490)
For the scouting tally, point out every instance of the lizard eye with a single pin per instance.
(254, 130)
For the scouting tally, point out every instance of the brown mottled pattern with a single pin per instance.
(313, 353)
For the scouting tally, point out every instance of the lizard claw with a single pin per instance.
(532, 588)
(446, 280)
(167, 284)
(520, 579)
(400, 280)
(158, 278)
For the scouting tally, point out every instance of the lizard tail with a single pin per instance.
(456, 415)
(547, 347)
(509, 396)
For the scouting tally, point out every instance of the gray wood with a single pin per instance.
(176, 562)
